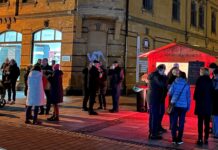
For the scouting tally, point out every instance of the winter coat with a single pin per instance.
(5, 69)
(103, 82)
(117, 77)
(203, 96)
(35, 92)
(85, 78)
(47, 70)
(180, 93)
(14, 72)
(215, 98)
(56, 90)
(157, 88)
(93, 80)
(25, 81)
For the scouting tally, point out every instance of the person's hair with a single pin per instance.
(182, 75)
(36, 68)
(204, 71)
(14, 61)
(45, 59)
(161, 67)
(213, 65)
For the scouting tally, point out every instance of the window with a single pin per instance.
(10, 46)
(47, 44)
(148, 4)
(213, 22)
(193, 14)
(201, 17)
(27, 1)
(176, 10)
(3, 1)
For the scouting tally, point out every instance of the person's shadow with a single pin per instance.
(8, 115)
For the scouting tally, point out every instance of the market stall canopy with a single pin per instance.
(179, 52)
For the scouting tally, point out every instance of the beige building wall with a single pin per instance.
(160, 29)
(28, 18)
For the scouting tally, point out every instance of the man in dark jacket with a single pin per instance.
(156, 95)
(203, 104)
(14, 73)
(94, 75)
(47, 70)
(116, 74)
(86, 86)
(102, 88)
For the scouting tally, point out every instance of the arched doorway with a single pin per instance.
(10, 46)
(47, 44)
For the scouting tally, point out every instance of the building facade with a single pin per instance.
(33, 29)
(159, 23)
(75, 32)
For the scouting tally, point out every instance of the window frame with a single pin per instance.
(213, 22)
(148, 5)
(176, 8)
(201, 17)
(193, 14)
(41, 41)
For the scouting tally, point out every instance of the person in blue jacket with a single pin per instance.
(180, 97)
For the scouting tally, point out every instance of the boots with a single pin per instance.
(53, 118)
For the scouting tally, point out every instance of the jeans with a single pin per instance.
(115, 97)
(178, 113)
(48, 102)
(162, 111)
(154, 110)
(12, 87)
(29, 110)
(215, 125)
(92, 101)
(86, 97)
(102, 100)
(206, 120)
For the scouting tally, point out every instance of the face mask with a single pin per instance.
(161, 72)
(174, 72)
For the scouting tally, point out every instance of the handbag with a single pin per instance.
(171, 106)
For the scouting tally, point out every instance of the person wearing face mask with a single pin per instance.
(157, 90)
(203, 104)
(46, 70)
(116, 77)
(172, 75)
(93, 86)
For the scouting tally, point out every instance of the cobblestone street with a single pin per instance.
(127, 129)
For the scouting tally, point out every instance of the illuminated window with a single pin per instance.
(193, 14)
(10, 47)
(148, 4)
(47, 44)
(201, 17)
(176, 10)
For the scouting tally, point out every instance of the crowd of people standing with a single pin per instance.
(43, 80)
(10, 74)
(178, 89)
(95, 83)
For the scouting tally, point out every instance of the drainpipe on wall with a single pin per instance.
(17, 8)
(206, 34)
(186, 22)
(126, 45)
